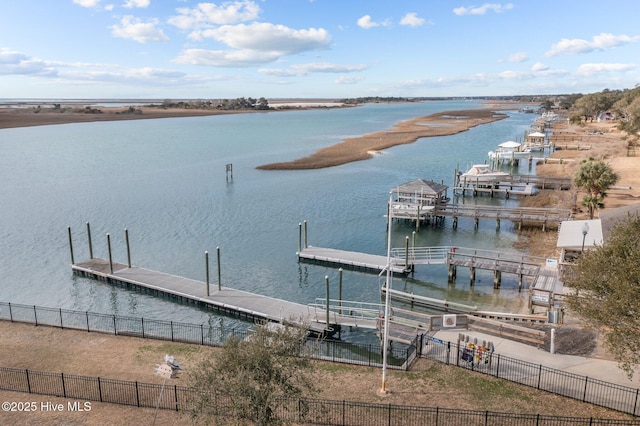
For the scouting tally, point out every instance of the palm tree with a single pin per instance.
(594, 177)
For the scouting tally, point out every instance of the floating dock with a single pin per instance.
(350, 259)
(245, 305)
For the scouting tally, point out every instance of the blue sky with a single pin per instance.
(315, 48)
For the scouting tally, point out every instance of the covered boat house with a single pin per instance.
(417, 200)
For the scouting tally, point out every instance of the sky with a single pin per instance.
(184, 49)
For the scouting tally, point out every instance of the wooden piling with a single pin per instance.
(110, 256)
(126, 238)
(90, 243)
(219, 270)
(206, 263)
(70, 245)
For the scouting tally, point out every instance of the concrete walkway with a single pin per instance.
(594, 368)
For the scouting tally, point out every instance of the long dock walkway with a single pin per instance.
(518, 215)
(244, 304)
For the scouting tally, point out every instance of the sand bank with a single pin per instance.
(364, 147)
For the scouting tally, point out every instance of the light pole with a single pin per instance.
(585, 231)
(385, 340)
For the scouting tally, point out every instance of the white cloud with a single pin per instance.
(539, 66)
(229, 58)
(130, 4)
(592, 69)
(472, 10)
(16, 63)
(518, 57)
(600, 42)
(87, 3)
(316, 67)
(366, 23)
(411, 19)
(343, 79)
(270, 37)
(135, 29)
(208, 14)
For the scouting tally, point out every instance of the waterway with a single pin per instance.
(165, 181)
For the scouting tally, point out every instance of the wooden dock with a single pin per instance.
(511, 185)
(349, 259)
(519, 215)
(246, 305)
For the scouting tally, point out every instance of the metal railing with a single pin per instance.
(294, 410)
(582, 388)
(199, 334)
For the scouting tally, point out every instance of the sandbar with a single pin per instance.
(366, 146)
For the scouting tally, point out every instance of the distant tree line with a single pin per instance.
(220, 104)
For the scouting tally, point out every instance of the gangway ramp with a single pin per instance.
(349, 259)
(421, 255)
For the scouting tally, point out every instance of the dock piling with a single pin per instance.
(70, 245)
(340, 289)
(305, 234)
(219, 270)
(90, 243)
(110, 256)
(126, 238)
(206, 262)
(326, 282)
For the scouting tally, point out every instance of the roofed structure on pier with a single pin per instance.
(420, 192)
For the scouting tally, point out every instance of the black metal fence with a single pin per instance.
(301, 411)
(585, 389)
(329, 350)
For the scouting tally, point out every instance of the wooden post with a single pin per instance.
(406, 253)
(413, 250)
(305, 234)
(126, 238)
(219, 270)
(476, 222)
(299, 238)
(109, 249)
(326, 282)
(472, 275)
(70, 245)
(497, 224)
(206, 262)
(452, 272)
(418, 219)
(90, 244)
(497, 278)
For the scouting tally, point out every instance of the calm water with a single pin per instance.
(164, 180)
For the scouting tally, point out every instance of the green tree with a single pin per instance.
(248, 380)
(594, 177)
(606, 291)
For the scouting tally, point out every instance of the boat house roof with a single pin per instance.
(421, 186)
(510, 144)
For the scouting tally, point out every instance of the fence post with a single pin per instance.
(635, 403)
(64, 388)
(100, 389)
(171, 324)
(498, 367)
(584, 394)
(61, 325)
(539, 375)
(87, 316)
(202, 334)
(28, 381)
(35, 314)
(142, 323)
(175, 391)
(115, 327)
(137, 395)
(448, 352)
(10, 312)
(389, 414)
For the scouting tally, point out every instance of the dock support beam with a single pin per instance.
(452, 272)
(472, 275)
(219, 270)
(126, 238)
(206, 263)
(90, 243)
(110, 256)
(326, 283)
(70, 245)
